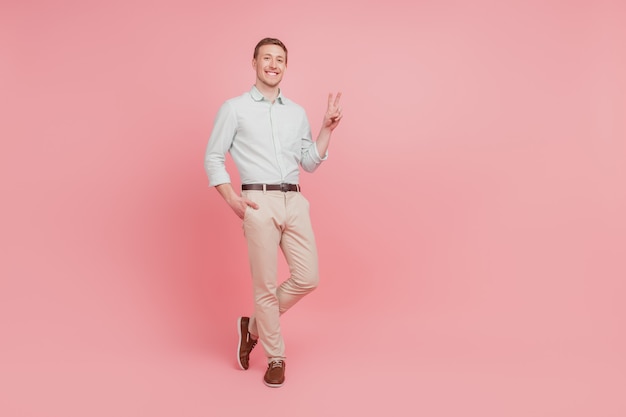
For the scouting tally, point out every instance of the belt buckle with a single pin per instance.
(284, 187)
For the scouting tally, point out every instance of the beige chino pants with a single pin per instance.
(282, 220)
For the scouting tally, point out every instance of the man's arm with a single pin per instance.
(332, 117)
(219, 143)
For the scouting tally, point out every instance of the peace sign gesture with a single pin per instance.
(333, 112)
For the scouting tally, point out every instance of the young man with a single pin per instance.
(269, 138)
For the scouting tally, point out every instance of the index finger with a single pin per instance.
(337, 99)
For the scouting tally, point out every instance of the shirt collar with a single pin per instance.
(257, 96)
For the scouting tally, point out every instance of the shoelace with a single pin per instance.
(276, 364)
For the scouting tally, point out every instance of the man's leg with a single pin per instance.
(262, 229)
(300, 250)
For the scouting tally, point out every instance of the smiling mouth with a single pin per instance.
(273, 74)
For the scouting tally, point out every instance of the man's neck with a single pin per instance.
(270, 93)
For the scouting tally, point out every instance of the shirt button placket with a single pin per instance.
(277, 147)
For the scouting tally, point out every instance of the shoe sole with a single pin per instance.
(239, 345)
(273, 385)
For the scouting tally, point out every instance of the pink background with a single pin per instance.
(470, 218)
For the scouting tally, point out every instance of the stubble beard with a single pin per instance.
(272, 83)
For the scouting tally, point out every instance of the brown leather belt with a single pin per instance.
(271, 187)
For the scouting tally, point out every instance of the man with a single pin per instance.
(269, 138)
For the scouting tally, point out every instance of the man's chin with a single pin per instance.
(272, 83)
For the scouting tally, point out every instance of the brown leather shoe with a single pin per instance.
(246, 343)
(275, 374)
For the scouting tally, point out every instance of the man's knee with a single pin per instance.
(310, 281)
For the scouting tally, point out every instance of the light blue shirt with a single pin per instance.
(267, 141)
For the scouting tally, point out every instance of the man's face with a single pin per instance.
(270, 64)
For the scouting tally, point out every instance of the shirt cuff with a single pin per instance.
(216, 180)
